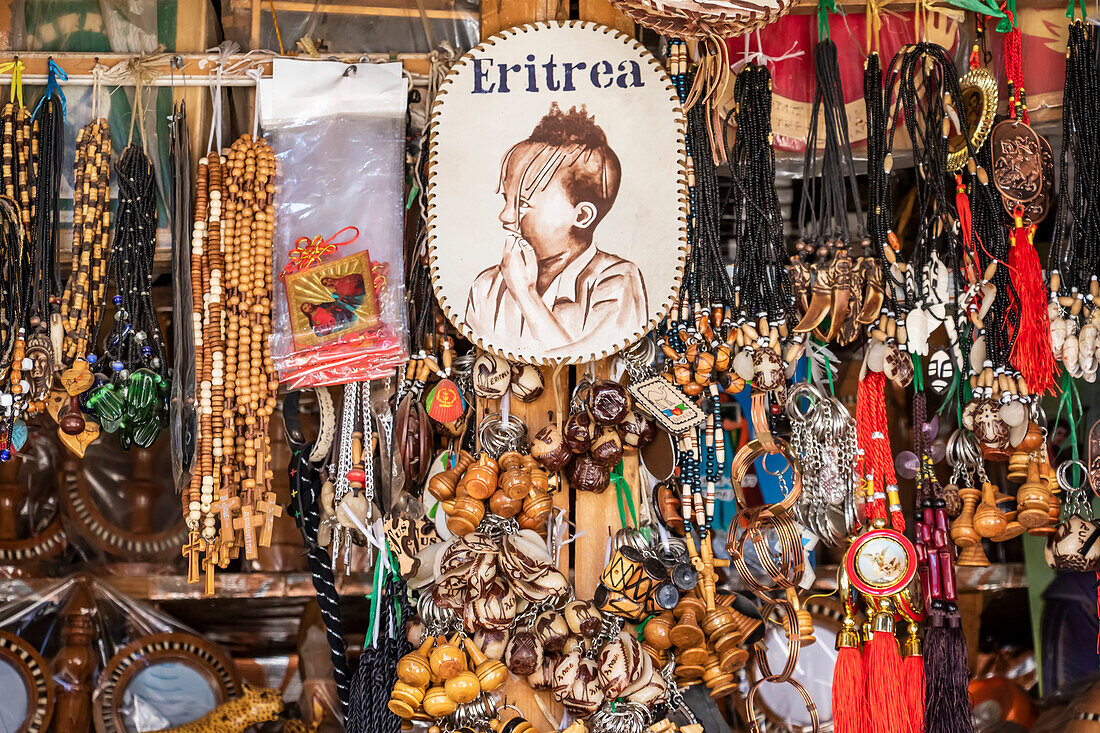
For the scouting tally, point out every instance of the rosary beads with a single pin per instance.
(230, 494)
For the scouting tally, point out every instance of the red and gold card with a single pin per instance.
(331, 301)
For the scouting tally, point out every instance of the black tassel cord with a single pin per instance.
(378, 666)
(305, 483)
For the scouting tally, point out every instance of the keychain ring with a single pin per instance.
(812, 395)
(1063, 475)
(745, 457)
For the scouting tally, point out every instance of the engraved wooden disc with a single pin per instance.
(1094, 457)
(1017, 162)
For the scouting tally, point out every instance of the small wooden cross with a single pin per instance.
(247, 523)
(227, 504)
(191, 551)
(208, 564)
(270, 508)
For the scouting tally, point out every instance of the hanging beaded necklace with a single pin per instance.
(250, 380)
(82, 301)
(762, 289)
(18, 161)
(830, 284)
(133, 402)
(206, 266)
(1075, 252)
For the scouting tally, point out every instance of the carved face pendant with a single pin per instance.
(941, 371)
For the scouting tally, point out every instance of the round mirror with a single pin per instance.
(27, 700)
(162, 681)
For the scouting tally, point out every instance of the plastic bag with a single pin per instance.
(338, 132)
(79, 626)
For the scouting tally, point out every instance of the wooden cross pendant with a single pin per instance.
(208, 564)
(191, 551)
(247, 523)
(227, 504)
(270, 508)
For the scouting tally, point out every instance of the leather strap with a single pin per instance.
(292, 423)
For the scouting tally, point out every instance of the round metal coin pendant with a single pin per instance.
(1017, 161)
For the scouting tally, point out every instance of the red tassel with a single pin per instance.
(962, 205)
(1032, 352)
(912, 671)
(849, 692)
(885, 698)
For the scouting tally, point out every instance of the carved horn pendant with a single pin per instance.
(819, 307)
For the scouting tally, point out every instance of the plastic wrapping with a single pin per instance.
(32, 533)
(338, 132)
(121, 507)
(80, 624)
(356, 27)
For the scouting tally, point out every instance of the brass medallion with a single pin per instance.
(1017, 162)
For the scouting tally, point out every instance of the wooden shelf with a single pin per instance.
(157, 587)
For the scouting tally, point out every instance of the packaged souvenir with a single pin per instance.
(339, 300)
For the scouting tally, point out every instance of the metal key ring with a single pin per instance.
(812, 394)
(1062, 475)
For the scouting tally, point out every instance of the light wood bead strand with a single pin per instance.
(250, 375)
(83, 299)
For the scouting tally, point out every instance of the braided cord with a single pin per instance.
(308, 481)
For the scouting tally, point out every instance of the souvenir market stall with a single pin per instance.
(615, 366)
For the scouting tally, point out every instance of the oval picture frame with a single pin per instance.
(30, 666)
(548, 238)
(213, 664)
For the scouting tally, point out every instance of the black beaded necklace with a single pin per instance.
(1075, 252)
(761, 284)
(46, 276)
(829, 182)
(134, 402)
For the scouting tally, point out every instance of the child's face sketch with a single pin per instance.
(546, 216)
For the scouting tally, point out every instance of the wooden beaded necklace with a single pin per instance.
(206, 267)
(230, 493)
(85, 291)
(250, 379)
(17, 165)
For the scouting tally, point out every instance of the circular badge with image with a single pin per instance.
(881, 563)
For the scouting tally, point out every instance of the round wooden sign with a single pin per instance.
(557, 193)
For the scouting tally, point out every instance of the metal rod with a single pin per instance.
(165, 80)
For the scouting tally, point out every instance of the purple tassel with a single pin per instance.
(946, 675)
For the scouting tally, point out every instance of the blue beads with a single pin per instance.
(118, 300)
(5, 455)
(147, 350)
(117, 365)
(92, 358)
